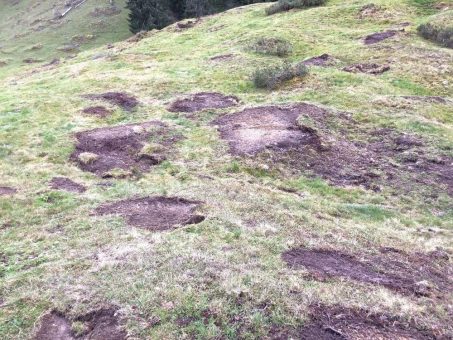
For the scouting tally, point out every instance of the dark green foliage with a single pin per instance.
(272, 46)
(286, 5)
(271, 77)
(441, 35)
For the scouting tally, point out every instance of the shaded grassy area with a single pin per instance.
(224, 276)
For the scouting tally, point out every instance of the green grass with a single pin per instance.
(55, 255)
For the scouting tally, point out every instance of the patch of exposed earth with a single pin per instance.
(98, 325)
(222, 57)
(410, 274)
(154, 213)
(378, 37)
(120, 150)
(339, 323)
(367, 68)
(322, 60)
(121, 99)
(203, 101)
(99, 111)
(307, 138)
(7, 191)
(66, 184)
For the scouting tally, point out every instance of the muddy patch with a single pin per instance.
(154, 213)
(66, 184)
(322, 60)
(99, 111)
(122, 150)
(378, 37)
(7, 191)
(203, 101)
(415, 274)
(97, 325)
(367, 68)
(121, 99)
(339, 323)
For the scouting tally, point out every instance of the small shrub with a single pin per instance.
(286, 5)
(441, 35)
(272, 46)
(271, 77)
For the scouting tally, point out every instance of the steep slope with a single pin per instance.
(319, 210)
(36, 31)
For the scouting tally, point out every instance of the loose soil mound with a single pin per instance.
(322, 60)
(202, 101)
(7, 191)
(378, 37)
(339, 323)
(99, 111)
(123, 100)
(367, 68)
(417, 274)
(99, 325)
(63, 183)
(123, 147)
(154, 213)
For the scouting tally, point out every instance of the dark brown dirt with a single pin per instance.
(63, 183)
(154, 213)
(223, 57)
(99, 111)
(100, 325)
(121, 99)
(378, 37)
(322, 60)
(7, 191)
(120, 147)
(203, 101)
(339, 323)
(367, 68)
(415, 274)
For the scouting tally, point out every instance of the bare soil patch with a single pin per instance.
(99, 111)
(124, 147)
(414, 274)
(121, 99)
(7, 191)
(66, 184)
(154, 213)
(99, 325)
(367, 68)
(202, 101)
(339, 323)
(378, 37)
(322, 60)
(223, 57)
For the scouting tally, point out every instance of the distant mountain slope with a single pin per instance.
(33, 31)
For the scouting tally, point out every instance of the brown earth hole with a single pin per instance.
(322, 60)
(378, 37)
(121, 99)
(122, 150)
(66, 184)
(203, 101)
(7, 191)
(155, 213)
(367, 68)
(339, 323)
(99, 111)
(101, 324)
(409, 274)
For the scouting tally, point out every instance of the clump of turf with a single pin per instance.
(271, 77)
(286, 5)
(272, 46)
(439, 29)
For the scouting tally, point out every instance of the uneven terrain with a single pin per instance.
(149, 190)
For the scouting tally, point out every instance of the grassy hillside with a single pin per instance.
(35, 32)
(292, 243)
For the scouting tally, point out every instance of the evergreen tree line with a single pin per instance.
(149, 14)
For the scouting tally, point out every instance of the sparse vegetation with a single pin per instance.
(272, 46)
(270, 77)
(286, 5)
